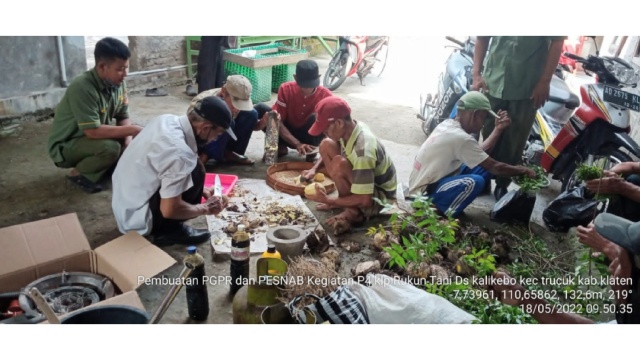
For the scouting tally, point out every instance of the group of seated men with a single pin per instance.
(158, 171)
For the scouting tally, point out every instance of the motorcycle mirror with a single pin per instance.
(596, 44)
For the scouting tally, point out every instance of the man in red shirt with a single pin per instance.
(295, 104)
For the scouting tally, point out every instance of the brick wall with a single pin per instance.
(153, 53)
(156, 52)
(137, 83)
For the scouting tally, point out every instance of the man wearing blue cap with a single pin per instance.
(159, 181)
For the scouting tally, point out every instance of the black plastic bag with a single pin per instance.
(570, 209)
(516, 206)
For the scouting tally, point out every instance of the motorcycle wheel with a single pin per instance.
(381, 58)
(336, 72)
(605, 161)
(429, 125)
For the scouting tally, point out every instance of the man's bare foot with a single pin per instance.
(342, 222)
(350, 215)
(340, 226)
(73, 173)
(325, 207)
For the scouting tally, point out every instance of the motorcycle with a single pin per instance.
(551, 130)
(356, 55)
(600, 127)
(456, 80)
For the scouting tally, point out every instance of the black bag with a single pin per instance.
(516, 206)
(570, 209)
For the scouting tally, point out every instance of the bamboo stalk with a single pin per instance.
(271, 139)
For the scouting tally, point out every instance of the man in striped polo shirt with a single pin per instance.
(355, 160)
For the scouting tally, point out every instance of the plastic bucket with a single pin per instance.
(111, 314)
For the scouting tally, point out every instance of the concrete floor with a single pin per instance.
(32, 188)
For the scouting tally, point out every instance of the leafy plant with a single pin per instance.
(413, 249)
(586, 172)
(528, 184)
(481, 261)
(423, 233)
(485, 309)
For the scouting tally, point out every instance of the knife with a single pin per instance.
(217, 187)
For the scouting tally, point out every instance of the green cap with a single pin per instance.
(475, 100)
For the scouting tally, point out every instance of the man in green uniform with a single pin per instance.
(516, 77)
(84, 135)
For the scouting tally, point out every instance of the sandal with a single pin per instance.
(156, 92)
(84, 184)
(191, 91)
(239, 159)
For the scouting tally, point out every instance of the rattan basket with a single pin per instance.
(281, 178)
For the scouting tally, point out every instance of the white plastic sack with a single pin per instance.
(393, 301)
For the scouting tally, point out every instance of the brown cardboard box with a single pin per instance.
(45, 247)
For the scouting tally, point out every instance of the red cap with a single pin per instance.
(328, 110)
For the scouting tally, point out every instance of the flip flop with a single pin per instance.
(191, 91)
(156, 92)
(84, 184)
(240, 160)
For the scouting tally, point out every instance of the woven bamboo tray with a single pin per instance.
(281, 177)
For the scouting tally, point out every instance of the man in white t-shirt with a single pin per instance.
(451, 167)
(159, 180)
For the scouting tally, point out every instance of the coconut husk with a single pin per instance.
(318, 241)
(463, 268)
(311, 272)
(440, 273)
(340, 227)
(350, 246)
(384, 258)
(419, 270)
(331, 258)
(381, 240)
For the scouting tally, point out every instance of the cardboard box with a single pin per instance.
(45, 247)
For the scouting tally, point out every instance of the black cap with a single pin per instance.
(307, 74)
(214, 109)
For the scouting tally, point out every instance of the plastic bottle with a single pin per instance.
(272, 253)
(197, 295)
(239, 259)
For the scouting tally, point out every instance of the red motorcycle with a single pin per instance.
(359, 55)
(599, 129)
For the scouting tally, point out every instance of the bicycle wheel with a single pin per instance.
(381, 58)
(336, 72)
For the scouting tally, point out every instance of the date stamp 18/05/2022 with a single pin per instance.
(572, 294)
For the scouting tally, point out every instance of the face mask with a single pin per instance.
(110, 83)
(200, 142)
